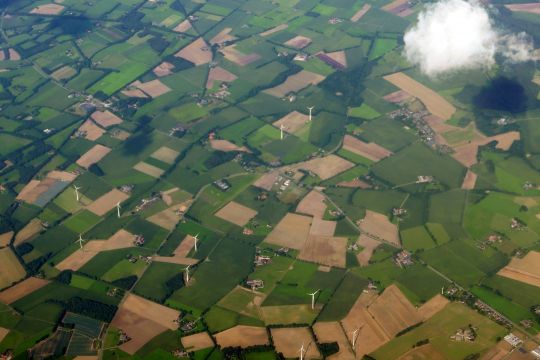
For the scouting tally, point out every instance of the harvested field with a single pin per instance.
(11, 269)
(105, 118)
(369, 245)
(371, 151)
(339, 57)
(432, 306)
(197, 341)
(379, 227)
(226, 145)
(533, 8)
(236, 213)
(356, 183)
(292, 231)
(393, 311)
(62, 175)
(166, 196)
(165, 154)
(169, 217)
(324, 167)
(526, 270)
(120, 134)
(198, 52)
(360, 13)
(40, 192)
(298, 42)
(120, 240)
(14, 55)
(312, 204)
(47, 9)
(289, 340)
(153, 88)
(526, 200)
(34, 189)
(399, 7)
(295, 83)
(435, 104)
(90, 130)
(322, 227)
(238, 57)
(163, 69)
(185, 246)
(266, 182)
(31, 229)
(370, 336)
(180, 253)
(148, 169)
(242, 336)
(397, 97)
(274, 30)
(107, 202)
(325, 250)
(93, 156)
(292, 122)
(222, 37)
(5, 238)
(500, 352)
(134, 93)
(3, 333)
(64, 72)
(22, 289)
(328, 332)
(183, 26)
(439, 126)
(142, 320)
(469, 181)
(467, 153)
(219, 74)
(175, 260)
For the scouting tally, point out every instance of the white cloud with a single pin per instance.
(453, 35)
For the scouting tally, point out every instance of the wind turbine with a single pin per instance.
(187, 274)
(118, 209)
(313, 299)
(281, 127)
(354, 337)
(80, 241)
(310, 108)
(302, 351)
(77, 188)
(196, 239)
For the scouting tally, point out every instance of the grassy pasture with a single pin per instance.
(416, 238)
(416, 160)
(229, 263)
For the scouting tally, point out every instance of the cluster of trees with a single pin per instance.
(87, 307)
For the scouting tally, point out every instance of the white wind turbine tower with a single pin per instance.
(310, 108)
(77, 188)
(187, 274)
(313, 299)
(281, 128)
(118, 209)
(302, 351)
(354, 338)
(80, 241)
(196, 240)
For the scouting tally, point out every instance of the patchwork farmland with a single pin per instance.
(252, 179)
